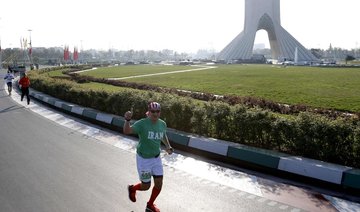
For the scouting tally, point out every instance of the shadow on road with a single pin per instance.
(11, 108)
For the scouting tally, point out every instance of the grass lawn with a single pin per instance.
(101, 86)
(132, 70)
(336, 88)
(57, 73)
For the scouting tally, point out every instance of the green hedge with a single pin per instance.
(309, 135)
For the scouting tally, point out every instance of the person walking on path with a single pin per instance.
(24, 82)
(9, 78)
(151, 131)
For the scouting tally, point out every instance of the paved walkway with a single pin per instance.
(198, 68)
(201, 68)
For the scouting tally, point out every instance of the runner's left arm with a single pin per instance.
(169, 149)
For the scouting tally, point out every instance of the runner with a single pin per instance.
(24, 82)
(151, 131)
(9, 78)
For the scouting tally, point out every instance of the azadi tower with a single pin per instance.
(265, 14)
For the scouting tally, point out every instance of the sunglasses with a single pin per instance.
(154, 111)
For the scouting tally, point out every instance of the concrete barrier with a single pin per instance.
(107, 118)
(262, 157)
(77, 110)
(351, 178)
(209, 145)
(313, 168)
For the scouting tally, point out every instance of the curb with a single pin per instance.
(346, 177)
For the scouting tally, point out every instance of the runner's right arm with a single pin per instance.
(127, 129)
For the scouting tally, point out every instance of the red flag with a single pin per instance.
(30, 49)
(76, 53)
(66, 53)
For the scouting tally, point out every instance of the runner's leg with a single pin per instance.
(156, 189)
(27, 95)
(22, 93)
(144, 176)
(158, 173)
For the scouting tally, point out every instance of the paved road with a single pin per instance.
(46, 166)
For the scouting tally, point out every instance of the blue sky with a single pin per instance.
(181, 25)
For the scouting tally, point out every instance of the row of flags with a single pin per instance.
(67, 53)
(25, 45)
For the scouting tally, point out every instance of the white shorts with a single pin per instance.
(148, 167)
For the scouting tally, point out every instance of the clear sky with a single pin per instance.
(181, 25)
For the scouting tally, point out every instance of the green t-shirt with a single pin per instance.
(150, 135)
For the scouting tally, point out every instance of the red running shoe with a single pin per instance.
(132, 193)
(151, 208)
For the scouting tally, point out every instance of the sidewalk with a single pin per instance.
(345, 177)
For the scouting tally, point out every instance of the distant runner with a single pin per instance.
(9, 78)
(151, 131)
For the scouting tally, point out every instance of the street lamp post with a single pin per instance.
(29, 30)
(30, 50)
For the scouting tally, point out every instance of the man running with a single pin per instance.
(25, 84)
(151, 131)
(9, 78)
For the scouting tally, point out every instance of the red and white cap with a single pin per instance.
(154, 106)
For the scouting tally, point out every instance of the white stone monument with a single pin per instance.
(264, 14)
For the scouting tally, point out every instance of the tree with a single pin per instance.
(318, 53)
(349, 58)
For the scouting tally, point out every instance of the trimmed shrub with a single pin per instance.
(309, 135)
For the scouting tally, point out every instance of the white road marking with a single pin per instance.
(164, 73)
